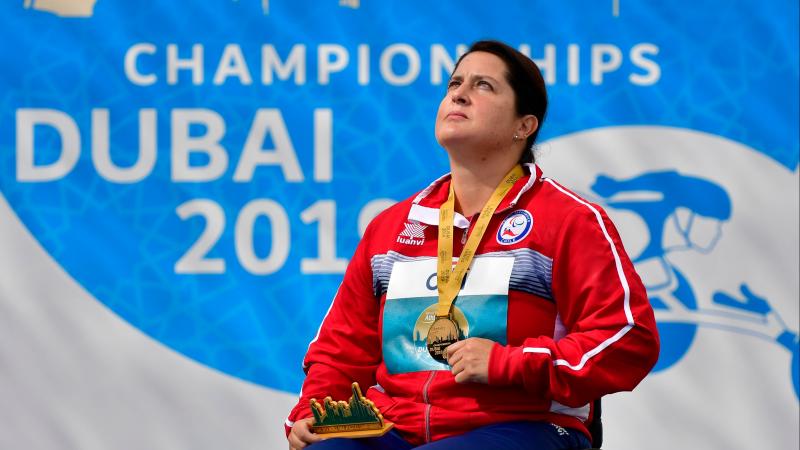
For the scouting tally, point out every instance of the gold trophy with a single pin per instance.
(356, 418)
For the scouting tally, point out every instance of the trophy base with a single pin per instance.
(353, 434)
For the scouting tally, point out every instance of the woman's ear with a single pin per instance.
(527, 126)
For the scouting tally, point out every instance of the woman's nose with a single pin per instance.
(459, 96)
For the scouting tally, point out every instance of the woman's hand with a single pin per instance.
(469, 360)
(301, 435)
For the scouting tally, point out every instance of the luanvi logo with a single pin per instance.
(412, 234)
(63, 8)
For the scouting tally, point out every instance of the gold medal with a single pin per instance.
(443, 332)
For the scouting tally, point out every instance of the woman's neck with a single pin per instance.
(474, 182)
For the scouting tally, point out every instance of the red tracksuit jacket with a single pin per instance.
(550, 283)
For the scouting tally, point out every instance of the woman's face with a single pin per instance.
(479, 109)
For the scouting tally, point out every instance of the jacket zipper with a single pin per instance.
(425, 399)
(466, 230)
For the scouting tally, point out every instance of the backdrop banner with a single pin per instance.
(183, 183)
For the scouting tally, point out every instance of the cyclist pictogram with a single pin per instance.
(687, 213)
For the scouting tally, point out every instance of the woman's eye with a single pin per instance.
(485, 84)
(452, 84)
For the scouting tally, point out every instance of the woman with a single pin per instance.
(551, 317)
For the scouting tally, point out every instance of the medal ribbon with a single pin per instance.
(449, 278)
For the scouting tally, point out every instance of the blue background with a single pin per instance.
(729, 70)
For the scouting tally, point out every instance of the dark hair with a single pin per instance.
(526, 81)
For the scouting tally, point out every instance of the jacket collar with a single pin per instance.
(425, 206)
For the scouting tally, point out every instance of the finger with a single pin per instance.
(454, 358)
(301, 434)
(457, 368)
(452, 348)
(461, 358)
(294, 442)
(297, 441)
(306, 435)
(452, 352)
(462, 377)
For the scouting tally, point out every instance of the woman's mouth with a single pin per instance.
(456, 115)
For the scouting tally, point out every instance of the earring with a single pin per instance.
(516, 137)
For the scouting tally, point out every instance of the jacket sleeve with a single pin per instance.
(611, 340)
(347, 346)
